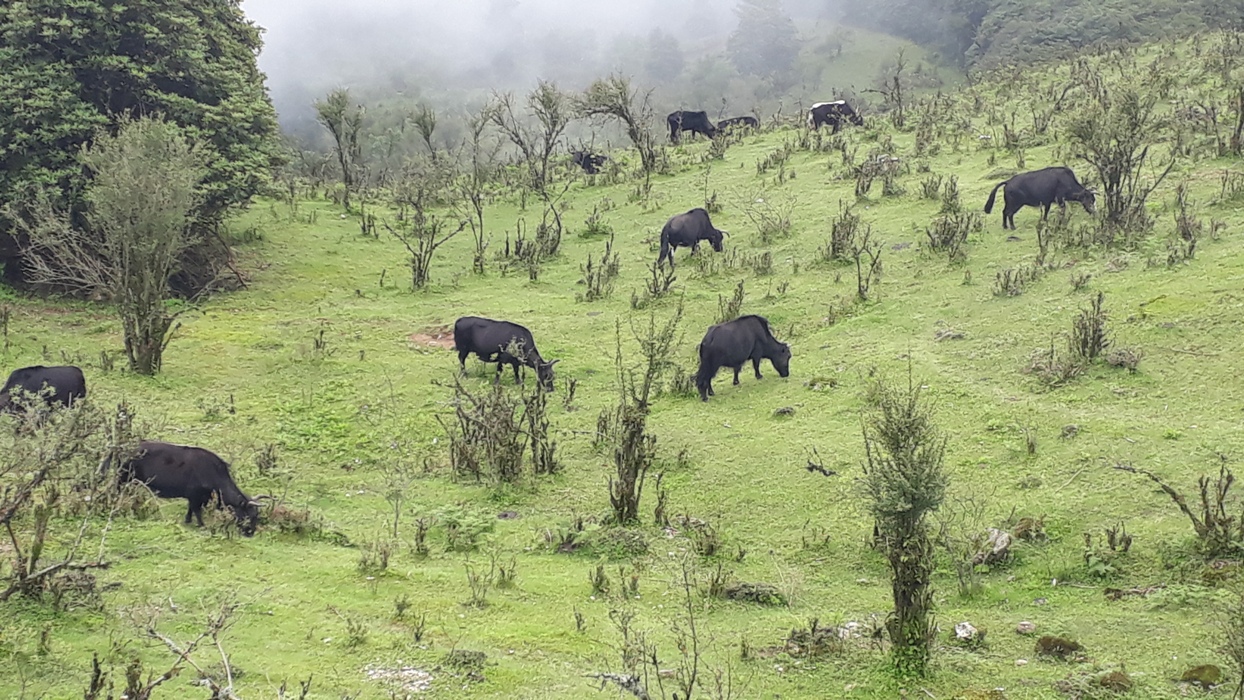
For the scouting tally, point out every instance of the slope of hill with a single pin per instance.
(329, 357)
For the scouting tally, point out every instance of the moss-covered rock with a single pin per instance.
(1058, 647)
(1207, 676)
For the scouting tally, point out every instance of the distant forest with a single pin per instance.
(988, 33)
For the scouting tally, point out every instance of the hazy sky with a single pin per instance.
(314, 45)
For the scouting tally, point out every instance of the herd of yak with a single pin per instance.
(198, 475)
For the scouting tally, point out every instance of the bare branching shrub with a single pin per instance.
(141, 202)
(904, 483)
(961, 533)
(770, 215)
(486, 437)
(660, 281)
(599, 275)
(1188, 229)
(1080, 279)
(344, 122)
(634, 447)
(949, 233)
(931, 187)
(1114, 132)
(1089, 336)
(866, 253)
(1218, 531)
(471, 185)
(552, 111)
(646, 675)
(729, 309)
(421, 233)
(52, 496)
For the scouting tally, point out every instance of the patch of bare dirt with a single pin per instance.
(435, 337)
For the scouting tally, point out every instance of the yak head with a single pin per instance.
(856, 119)
(248, 516)
(715, 237)
(1089, 199)
(544, 371)
(781, 360)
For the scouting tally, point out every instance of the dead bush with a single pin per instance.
(1218, 531)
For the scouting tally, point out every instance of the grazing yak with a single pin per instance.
(834, 114)
(192, 473)
(695, 122)
(54, 385)
(686, 231)
(1040, 188)
(590, 162)
(493, 341)
(732, 344)
(738, 123)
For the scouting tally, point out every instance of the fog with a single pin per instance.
(413, 47)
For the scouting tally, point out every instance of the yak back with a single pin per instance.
(1056, 183)
(486, 336)
(67, 382)
(181, 471)
(731, 343)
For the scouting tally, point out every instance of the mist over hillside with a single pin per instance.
(427, 50)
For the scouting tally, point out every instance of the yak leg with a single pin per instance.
(517, 380)
(756, 367)
(462, 356)
(195, 508)
(1045, 212)
(496, 379)
(736, 374)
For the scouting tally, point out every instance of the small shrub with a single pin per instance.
(1054, 369)
(729, 309)
(1089, 337)
(595, 224)
(815, 641)
(931, 187)
(842, 234)
(1080, 280)
(599, 275)
(1012, 281)
(1127, 358)
(949, 233)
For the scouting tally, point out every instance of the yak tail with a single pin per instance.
(992, 196)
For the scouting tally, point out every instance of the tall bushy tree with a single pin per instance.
(71, 68)
(141, 201)
(613, 98)
(765, 42)
(1114, 132)
(903, 484)
(344, 122)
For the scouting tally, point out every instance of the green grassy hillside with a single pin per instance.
(324, 355)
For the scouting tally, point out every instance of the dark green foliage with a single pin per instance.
(903, 483)
(72, 68)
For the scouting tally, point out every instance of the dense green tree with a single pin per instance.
(68, 68)
(765, 42)
(144, 189)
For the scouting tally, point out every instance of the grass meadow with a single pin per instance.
(325, 355)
